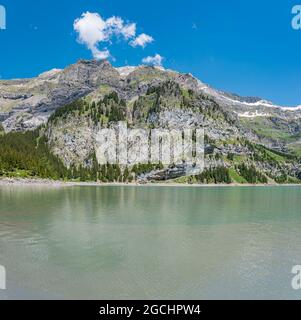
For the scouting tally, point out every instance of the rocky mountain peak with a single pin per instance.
(89, 72)
(27, 103)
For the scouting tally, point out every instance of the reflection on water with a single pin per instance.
(149, 242)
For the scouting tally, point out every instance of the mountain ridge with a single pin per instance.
(84, 79)
(245, 136)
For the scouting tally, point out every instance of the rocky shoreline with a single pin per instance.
(60, 184)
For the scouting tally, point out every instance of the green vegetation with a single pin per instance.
(235, 177)
(265, 127)
(102, 173)
(145, 168)
(214, 175)
(262, 153)
(27, 155)
(219, 175)
(250, 174)
(78, 106)
(110, 108)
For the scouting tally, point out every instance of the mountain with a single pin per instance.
(246, 136)
(26, 104)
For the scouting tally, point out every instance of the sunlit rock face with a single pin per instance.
(26, 104)
(152, 98)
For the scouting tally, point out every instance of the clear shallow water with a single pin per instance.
(150, 242)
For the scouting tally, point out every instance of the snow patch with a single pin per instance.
(291, 108)
(49, 73)
(255, 114)
(125, 71)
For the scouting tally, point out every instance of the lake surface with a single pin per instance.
(150, 242)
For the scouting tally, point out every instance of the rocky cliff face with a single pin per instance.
(26, 104)
(150, 97)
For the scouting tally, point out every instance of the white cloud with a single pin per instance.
(142, 40)
(129, 30)
(93, 30)
(115, 22)
(156, 60)
(100, 54)
(116, 26)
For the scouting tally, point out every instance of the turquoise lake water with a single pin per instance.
(148, 242)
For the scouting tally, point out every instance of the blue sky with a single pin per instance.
(247, 47)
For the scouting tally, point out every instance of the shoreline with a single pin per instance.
(61, 184)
